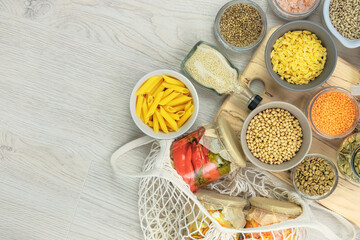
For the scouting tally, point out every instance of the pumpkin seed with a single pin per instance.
(319, 183)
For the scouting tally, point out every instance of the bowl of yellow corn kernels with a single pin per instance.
(300, 55)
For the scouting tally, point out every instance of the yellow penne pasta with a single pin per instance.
(145, 112)
(142, 115)
(155, 104)
(139, 102)
(155, 85)
(179, 100)
(188, 105)
(169, 109)
(169, 127)
(175, 116)
(176, 88)
(150, 99)
(167, 92)
(186, 116)
(155, 88)
(180, 113)
(176, 108)
(161, 121)
(168, 98)
(150, 123)
(159, 89)
(174, 81)
(168, 118)
(155, 124)
(148, 85)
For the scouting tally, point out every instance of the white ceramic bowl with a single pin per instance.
(304, 149)
(148, 130)
(344, 41)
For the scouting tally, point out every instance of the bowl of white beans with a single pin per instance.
(276, 136)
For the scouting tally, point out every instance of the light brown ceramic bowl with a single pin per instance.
(304, 149)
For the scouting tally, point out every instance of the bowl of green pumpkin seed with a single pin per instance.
(348, 158)
(315, 178)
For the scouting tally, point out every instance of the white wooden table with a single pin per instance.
(66, 71)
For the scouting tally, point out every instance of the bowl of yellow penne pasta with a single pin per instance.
(164, 104)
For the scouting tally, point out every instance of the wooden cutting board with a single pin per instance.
(346, 197)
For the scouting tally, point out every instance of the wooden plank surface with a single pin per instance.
(344, 200)
(40, 188)
(61, 94)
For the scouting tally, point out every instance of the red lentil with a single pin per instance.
(333, 113)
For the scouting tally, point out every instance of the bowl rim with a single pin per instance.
(146, 129)
(219, 36)
(349, 43)
(311, 102)
(268, 50)
(274, 104)
(295, 15)
(315, 197)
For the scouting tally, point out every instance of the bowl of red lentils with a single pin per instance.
(333, 112)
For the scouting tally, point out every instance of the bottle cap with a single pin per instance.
(253, 104)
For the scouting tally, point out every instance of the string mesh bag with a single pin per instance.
(169, 210)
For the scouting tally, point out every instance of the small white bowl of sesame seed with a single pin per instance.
(276, 136)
